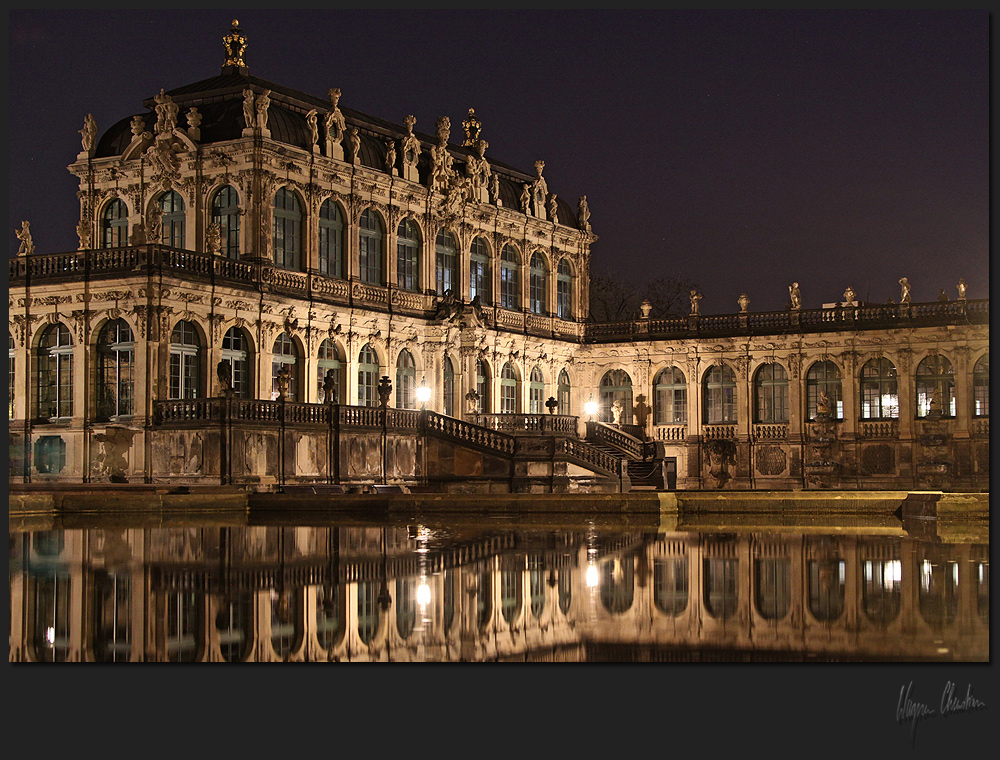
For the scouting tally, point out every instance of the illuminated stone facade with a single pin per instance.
(253, 260)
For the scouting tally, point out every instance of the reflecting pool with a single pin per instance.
(200, 588)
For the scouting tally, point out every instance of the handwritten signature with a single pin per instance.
(908, 710)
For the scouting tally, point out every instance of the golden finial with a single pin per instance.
(472, 128)
(236, 44)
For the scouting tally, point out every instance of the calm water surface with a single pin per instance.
(539, 589)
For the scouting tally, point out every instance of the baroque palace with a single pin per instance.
(276, 292)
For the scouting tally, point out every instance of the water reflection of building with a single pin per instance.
(373, 594)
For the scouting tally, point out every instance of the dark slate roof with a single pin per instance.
(219, 100)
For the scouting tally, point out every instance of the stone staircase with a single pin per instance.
(644, 471)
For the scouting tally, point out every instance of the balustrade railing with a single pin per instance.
(715, 432)
(467, 432)
(601, 459)
(670, 432)
(770, 431)
(529, 423)
(880, 429)
(600, 432)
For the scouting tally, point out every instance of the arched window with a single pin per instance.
(236, 354)
(226, 214)
(508, 389)
(185, 361)
(368, 611)
(327, 360)
(285, 619)
(670, 397)
(771, 393)
(287, 230)
(115, 369)
(670, 585)
(564, 290)
(824, 378)
(448, 371)
(331, 239)
(720, 592)
(329, 615)
(484, 598)
(510, 590)
(617, 584)
(510, 280)
(538, 284)
(114, 225)
(285, 356)
(773, 587)
(446, 263)
(479, 271)
(879, 399)
(406, 606)
(536, 392)
(370, 248)
(565, 581)
(616, 385)
(408, 255)
(536, 584)
(881, 589)
(12, 376)
(981, 387)
(172, 219)
(563, 395)
(938, 595)
(827, 588)
(368, 372)
(483, 386)
(935, 384)
(406, 381)
(720, 395)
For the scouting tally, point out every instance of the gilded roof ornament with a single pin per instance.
(236, 45)
(472, 127)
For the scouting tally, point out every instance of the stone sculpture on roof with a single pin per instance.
(263, 103)
(479, 173)
(905, 294)
(795, 296)
(583, 214)
(411, 150)
(24, 235)
(88, 135)
(539, 191)
(248, 108)
(441, 159)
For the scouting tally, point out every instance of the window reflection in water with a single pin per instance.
(617, 584)
(112, 617)
(773, 581)
(329, 616)
(484, 598)
(670, 585)
(982, 574)
(368, 612)
(510, 590)
(284, 621)
(406, 606)
(720, 590)
(448, 584)
(234, 625)
(827, 586)
(182, 625)
(51, 619)
(565, 589)
(536, 584)
(938, 594)
(880, 589)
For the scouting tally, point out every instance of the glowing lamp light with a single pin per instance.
(592, 576)
(423, 594)
(423, 393)
(50, 635)
(590, 407)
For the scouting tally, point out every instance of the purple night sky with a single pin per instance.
(741, 149)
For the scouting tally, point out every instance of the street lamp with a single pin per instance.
(423, 393)
(590, 408)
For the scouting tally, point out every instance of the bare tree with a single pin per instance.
(614, 298)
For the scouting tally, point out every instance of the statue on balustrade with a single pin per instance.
(616, 412)
(225, 373)
(695, 298)
(330, 386)
(794, 296)
(24, 235)
(961, 289)
(905, 295)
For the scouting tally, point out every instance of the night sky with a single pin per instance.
(741, 150)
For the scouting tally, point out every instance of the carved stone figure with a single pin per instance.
(849, 295)
(942, 295)
(472, 128)
(138, 126)
(441, 159)
(166, 113)
(88, 135)
(330, 386)
(83, 231)
(616, 412)
(553, 208)
(355, 141)
(213, 238)
(24, 235)
(284, 378)
(194, 123)
(645, 307)
(472, 399)
(235, 44)
(539, 191)
(224, 372)
(744, 302)
(478, 172)
(411, 150)
(525, 199)
(961, 289)
(263, 103)
(824, 410)
(248, 108)
(695, 298)
(390, 157)
(312, 122)
(447, 306)
(583, 214)
(153, 224)
(794, 296)
(905, 294)
(335, 123)
(641, 411)
(495, 190)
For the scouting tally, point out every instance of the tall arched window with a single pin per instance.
(935, 378)
(827, 587)
(448, 371)
(879, 396)
(773, 587)
(237, 356)
(881, 587)
(185, 361)
(226, 214)
(720, 395)
(720, 591)
(327, 360)
(510, 280)
(329, 615)
(370, 248)
(617, 584)
(406, 606)
(564, 290)
(670, 397)
(509, 389)
(824, 377)
(616, 385)
(408, 255)
(331, 239)
(172, 219)
(285, 356)
(368, 372)
(483, 386)
(114, 225)
(479, 271)
(368, 611)
(536, 392)
(510, 590)
(287, 230)
(406, 381)
(771, 393)
(538, 284)
(563, 395)
(446, 263)
(981, 387)
(55, 373)
(115, 370)
(670, 585)
(536, 584)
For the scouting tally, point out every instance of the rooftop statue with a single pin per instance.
(695, 298)
(88, 135)
(24, 235)
(583, 214)
(539, 191)
(961, 289)
(166, 113)
(235, 44)
(553, 208)
(312, 122)
(334, 120)
(263, 103)
(794, 296)
(905, 295)
(248, 109)
(744, 302)
(849, 295)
